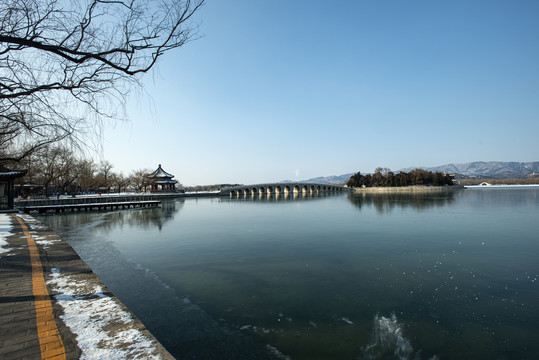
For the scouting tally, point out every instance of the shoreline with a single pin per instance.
(407, 189)
(500, 186)
(68, 307)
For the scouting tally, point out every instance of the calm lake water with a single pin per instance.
(453, 276)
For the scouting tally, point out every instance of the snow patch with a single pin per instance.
(5, 230)
(103, 329)
(41, 240)
(37, 226)
(45, 243)
(28, 218)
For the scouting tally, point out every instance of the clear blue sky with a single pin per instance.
(279, 89)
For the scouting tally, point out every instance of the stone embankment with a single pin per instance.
(52, 306)
(407, 189)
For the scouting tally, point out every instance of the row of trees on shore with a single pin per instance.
(58, 169)
(386, 178)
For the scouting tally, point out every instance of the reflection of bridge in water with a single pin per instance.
(282, 188)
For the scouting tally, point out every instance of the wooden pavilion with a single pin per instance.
(7, 186)
(162, 181)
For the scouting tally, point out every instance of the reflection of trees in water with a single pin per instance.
(386, 202)
(141, 217)
(68, 221)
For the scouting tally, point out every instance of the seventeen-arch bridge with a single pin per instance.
(282, 189)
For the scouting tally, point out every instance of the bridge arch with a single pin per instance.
(282, 188)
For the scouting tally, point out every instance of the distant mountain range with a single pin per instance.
(334, 179)
(477, 169)
(489, 169)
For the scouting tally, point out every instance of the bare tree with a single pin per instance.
(68, 172)
(87, 170)
(66, 65)
(121, 181)
(105, 177)
(140, 179)
(53, 165)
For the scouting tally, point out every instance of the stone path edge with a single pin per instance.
(55, 254)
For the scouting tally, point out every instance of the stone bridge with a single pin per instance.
(282, 188)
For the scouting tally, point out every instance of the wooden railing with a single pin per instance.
(91, 199)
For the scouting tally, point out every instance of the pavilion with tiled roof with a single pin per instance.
(7, 186)
(162, 181)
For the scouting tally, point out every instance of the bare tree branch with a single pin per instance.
(66, 66)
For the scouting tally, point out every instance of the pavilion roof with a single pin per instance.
(160, 173)
(8, 174)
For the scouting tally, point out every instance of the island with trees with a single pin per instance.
(418, 179)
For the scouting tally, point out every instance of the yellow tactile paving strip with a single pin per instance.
(50, 341)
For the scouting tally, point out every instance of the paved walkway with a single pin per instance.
(52, 306)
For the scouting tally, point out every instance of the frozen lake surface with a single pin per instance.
(373, 276)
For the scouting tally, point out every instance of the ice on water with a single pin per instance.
(388, 341)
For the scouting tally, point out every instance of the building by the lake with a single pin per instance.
(7, 188)
(162, 181)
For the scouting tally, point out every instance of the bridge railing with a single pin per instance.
(277, 188)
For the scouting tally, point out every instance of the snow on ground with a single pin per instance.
(103, 329)
(34, 226)
(5, 231)
(32, 223)
(44, 243)
(43, 240)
